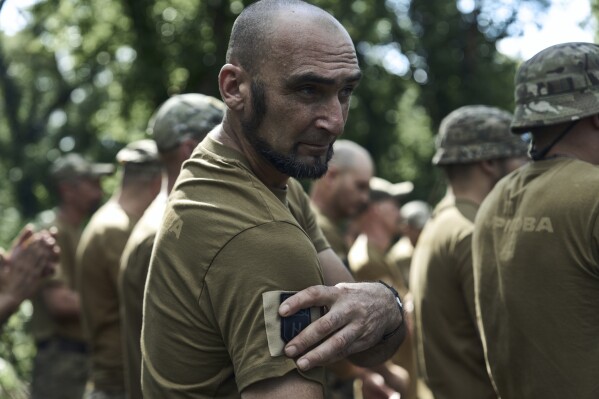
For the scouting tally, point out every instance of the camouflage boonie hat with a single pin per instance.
(182, 115)
(477, 133)
(73, 165)
(559, 84)
(139, 152)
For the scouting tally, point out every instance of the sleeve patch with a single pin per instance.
(281, 330)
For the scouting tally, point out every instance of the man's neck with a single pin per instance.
(473, 191)
(264, 170)
(377, 235)
(70, 215)
(134, 202)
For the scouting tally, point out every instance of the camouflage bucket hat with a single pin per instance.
(559, 84)
(184, 115)
(477, 133)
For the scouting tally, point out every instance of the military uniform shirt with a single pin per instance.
(43, 325)
(400, 255)
(225, 240)
(136, 261)
(334, 233)
(448, 347)
(369, 263)
(98, 261)
(536, 268)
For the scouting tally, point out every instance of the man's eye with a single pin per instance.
(346, 92)
(307, 90)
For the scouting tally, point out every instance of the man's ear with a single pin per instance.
(489, 166)
(233, 85)
(187, 146)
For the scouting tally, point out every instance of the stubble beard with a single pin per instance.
(288, 164)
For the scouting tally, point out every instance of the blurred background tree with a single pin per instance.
(86, 75)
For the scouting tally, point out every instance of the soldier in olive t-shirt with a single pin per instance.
(475, 150)
(98, 260)
(61, 364)
(536, 241)
(177, 127)
(208, 293)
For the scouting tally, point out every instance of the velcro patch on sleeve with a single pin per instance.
(280, 330)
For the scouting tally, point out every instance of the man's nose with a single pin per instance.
(332, 116)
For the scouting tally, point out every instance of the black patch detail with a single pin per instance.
(292, 325)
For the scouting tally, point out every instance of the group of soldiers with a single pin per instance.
(211, 273)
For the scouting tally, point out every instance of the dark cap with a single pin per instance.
(73, 165)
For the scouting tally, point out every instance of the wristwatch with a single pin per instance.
(401, 311)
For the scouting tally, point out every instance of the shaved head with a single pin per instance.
(254, 29)
(350, 155)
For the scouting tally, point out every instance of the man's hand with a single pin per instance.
(374, 387)
(358, 316)
(32, 257)
(396, 377)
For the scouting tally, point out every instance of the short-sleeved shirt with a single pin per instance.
(136, 261)
(400, 255)
(43, 325)
(334, 233)
(98, 260)
(369, 263)
(226, 239)
(536, 268)
(449, 350)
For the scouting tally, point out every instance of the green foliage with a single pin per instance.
(16, 354)
(457, 57)
(86, 75)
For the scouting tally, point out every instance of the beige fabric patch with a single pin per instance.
(271, 301)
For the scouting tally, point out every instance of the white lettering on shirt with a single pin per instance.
(176, 227)
(527, 224)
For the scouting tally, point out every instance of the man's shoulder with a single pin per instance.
(110, 216)
(452, 218)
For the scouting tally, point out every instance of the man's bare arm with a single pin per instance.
(291, 385)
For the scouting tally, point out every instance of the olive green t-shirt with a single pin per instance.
(225, 240)
(98, 260)
(448, 347)
(43, 325)
(369, 263)
(400, 255)
(334, 233)
(136, 260)
(536, 269)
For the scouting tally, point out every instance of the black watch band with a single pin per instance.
(401, 311)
